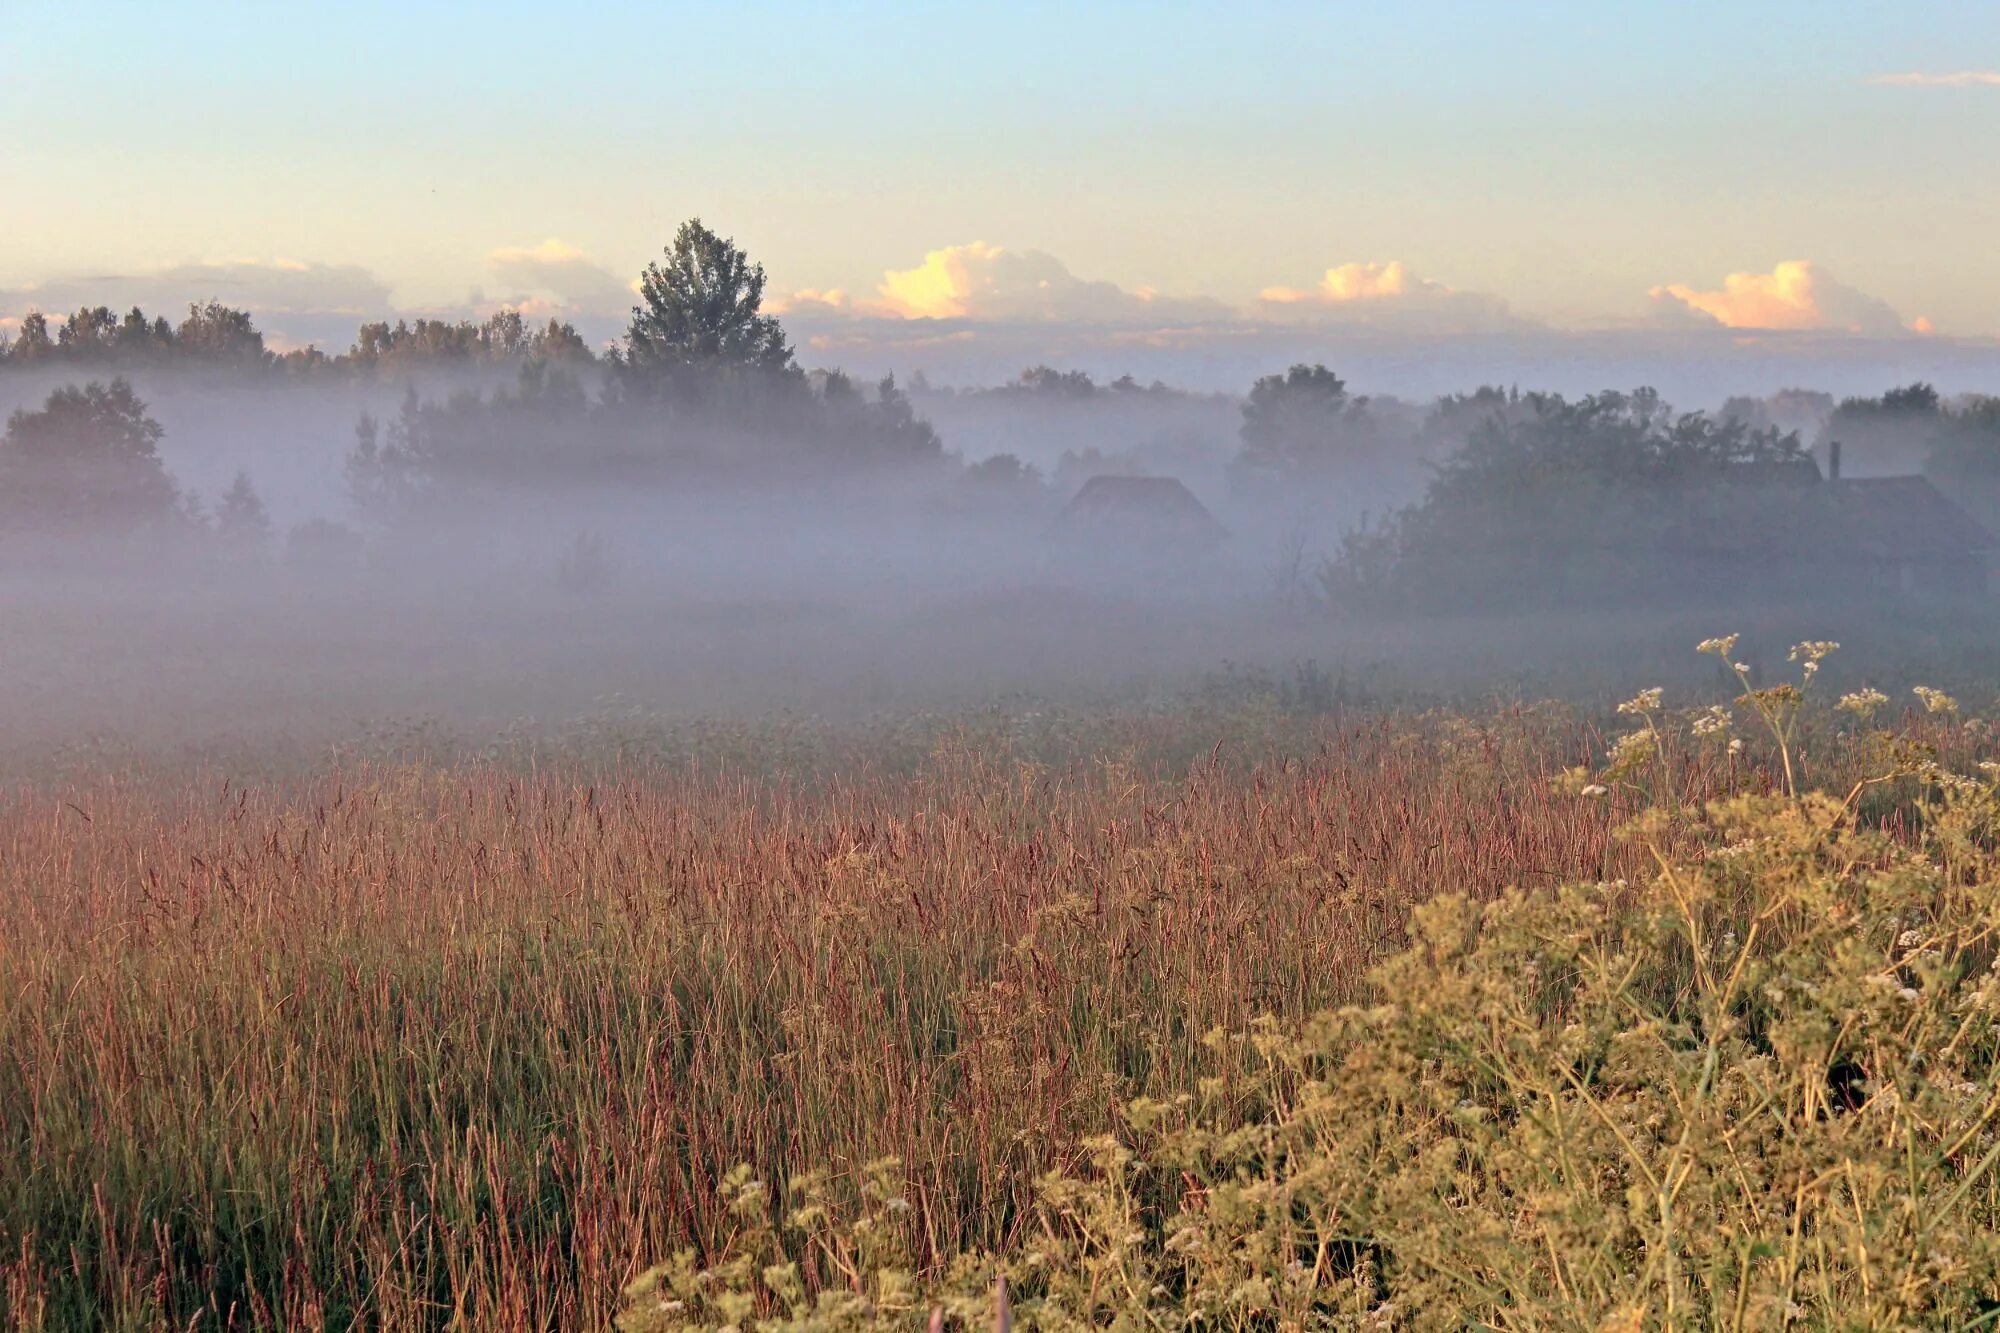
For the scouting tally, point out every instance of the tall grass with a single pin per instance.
(470, 1045)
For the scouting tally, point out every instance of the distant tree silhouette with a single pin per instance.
(89, 335)
(142, 339)
(1964, 456)
(240, 517)
(1048, 382)
(1571, 501)
(34, 344)
(217, 335)
(89, 457)
(502, 337)
(1302, 417)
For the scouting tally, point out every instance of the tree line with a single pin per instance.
(215, 336)
(1524, 496)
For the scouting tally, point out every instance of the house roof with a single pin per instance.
(1904, 517)
(1877, 518)
(1137, 509)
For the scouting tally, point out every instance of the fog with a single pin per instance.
(489, 527)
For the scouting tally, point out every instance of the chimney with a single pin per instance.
(1833, 461)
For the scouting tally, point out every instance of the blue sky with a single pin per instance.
(1562, 158)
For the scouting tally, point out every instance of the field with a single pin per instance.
(415, 1036)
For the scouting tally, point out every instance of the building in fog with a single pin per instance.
(1126, 516)
(1903, 535)
(1795, 533)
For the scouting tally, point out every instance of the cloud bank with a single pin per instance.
(989, 284)
(1796, 295)
(557, 276)
(977, 313)
(1386, 293)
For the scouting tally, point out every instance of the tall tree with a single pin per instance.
(34, 344)
(701, 315)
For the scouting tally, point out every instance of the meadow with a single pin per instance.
(1248, 1014)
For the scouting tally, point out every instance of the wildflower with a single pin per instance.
(1935, 701)
(1633, 747)
(1811, 651)
(1713, 721)
(1645, 701)
(1736, 745)
(1721, 647)
(1862, 703)
(1596, 789)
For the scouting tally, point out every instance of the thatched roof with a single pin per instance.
(1891, 520)
(1137, 510)
(1904, 518)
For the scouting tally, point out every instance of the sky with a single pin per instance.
(1153, 173)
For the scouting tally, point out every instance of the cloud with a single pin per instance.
(1359, 282)
(1385, 294)
(294, 301)
(989, 284)
(285, 286)
(557, 272)
(1964, 78)
(1796, 295)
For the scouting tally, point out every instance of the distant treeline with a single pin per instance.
(1490, 499)
(220, 337)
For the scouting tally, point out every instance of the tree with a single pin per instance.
(1964, 456)
(1048, 382)
(139, 338)
(1300, 417)
(219, 335)
(700, 317)
(34, 344)
(558, 344)
(91, 334)
(1578, 502)
(1892, 433)
(89, 457)
(240, 517)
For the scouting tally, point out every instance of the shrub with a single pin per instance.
(1758, 1087)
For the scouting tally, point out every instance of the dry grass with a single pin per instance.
(416, 1046)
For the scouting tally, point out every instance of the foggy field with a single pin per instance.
(506, 832)
(247, 660)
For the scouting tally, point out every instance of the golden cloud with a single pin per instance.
(980, 281)
(1359, 282)
(1795, 295)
